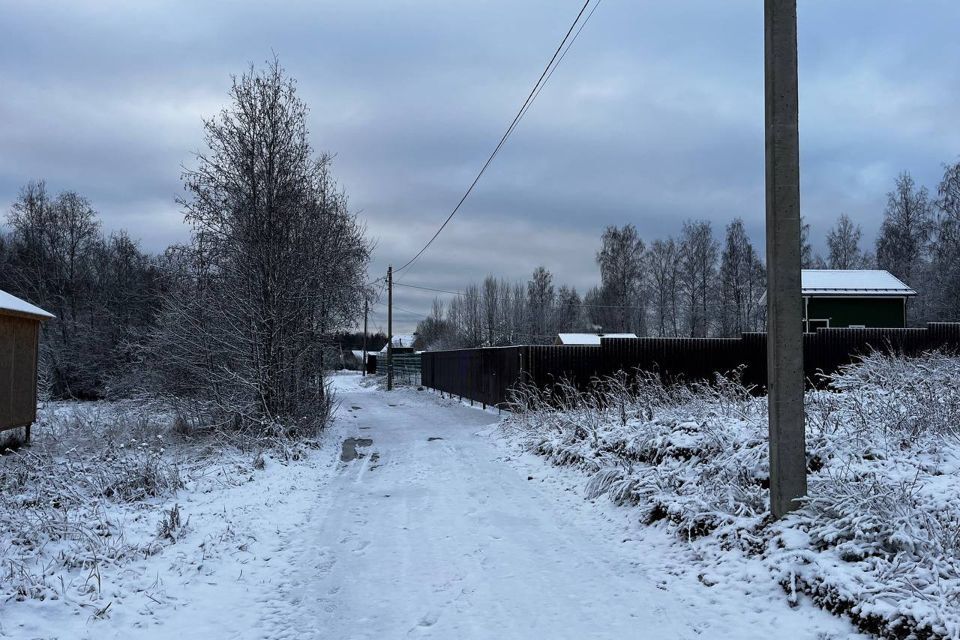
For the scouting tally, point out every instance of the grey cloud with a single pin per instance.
(656, 115)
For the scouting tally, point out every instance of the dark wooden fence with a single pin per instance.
(487, 375)
(483, 375)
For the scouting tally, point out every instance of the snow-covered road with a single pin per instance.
(444, 538)
(438, 532)
(440, 529)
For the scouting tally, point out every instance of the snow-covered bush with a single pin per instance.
(96, 485)
(694, 454)
(879, 537)
(54, 495)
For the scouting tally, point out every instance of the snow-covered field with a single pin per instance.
(445, 526)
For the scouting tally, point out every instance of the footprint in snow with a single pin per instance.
(429, 619)
(360, 547)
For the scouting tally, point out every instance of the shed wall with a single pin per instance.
(18, 371)
(870, 312)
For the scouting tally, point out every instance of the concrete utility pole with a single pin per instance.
(365, 310)
(390, 328)
(785, 384)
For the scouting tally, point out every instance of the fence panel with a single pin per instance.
(407, 369)
(487, 375)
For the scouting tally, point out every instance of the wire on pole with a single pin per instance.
(516, 119)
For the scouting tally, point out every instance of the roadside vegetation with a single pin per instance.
(102, 485)
(879, 539)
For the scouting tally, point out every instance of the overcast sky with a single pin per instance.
(655, 116)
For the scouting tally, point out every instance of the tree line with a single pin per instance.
(698, 286)
(234, 327)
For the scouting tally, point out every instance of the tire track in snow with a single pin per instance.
(449, 539)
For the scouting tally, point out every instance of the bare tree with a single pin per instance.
(698, 267)
(904, 242)
(518, 314)
(622, 282)
(103, 291)
(492, 316)
(664, 269)
(541, 299)
(435, 332)
(843, 245)
(569, 311)
(280, 262)
(742, 283)
(499, 313)
(808, 259)
(943, 278)
(472, 316)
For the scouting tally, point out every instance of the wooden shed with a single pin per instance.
(855, 298)
(19, 350)
(852, 298)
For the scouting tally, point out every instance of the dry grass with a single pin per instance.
(93, 489)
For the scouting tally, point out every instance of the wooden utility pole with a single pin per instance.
(390, 328)
(785, 384)
(365, 310)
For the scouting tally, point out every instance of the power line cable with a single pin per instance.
(523, 108)
(402, 310)
(562, 56)
(582, 304)
(414, 286)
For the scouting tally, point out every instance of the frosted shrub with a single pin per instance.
(647, 444)
(900, 399)
(884, 512)
(53, 494)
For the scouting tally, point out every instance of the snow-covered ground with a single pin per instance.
(879, 538)
(442, 528)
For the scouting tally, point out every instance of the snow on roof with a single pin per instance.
(590, 338)
(853, 282)
(16, 305)
(401, 340)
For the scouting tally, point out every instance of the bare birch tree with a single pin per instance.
(279, 263)
(698, 266)
(742, 283)
(843, 246)
(903, 245)
(943, 279)
(664, 269)
(541, 299)
(622, 288)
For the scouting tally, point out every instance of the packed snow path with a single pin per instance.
(435, 533)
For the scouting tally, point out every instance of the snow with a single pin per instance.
(862, 282)
(402, 340)
(10, 302)
(442, 529)
(875, 541)
(589, 338)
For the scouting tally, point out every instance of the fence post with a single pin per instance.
(390, 328)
